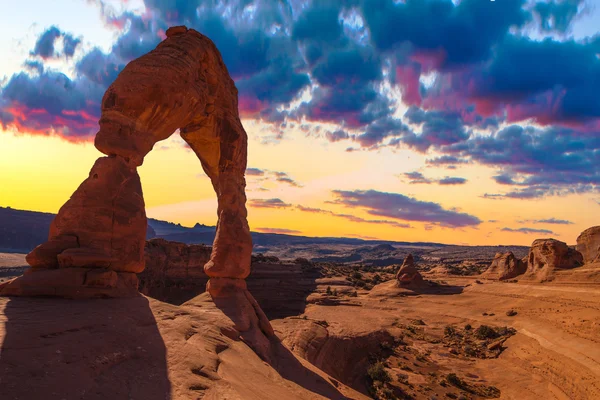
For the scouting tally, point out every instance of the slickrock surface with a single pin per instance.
(554, 353)
(547, 256)
(588, 244)
(505, 266)
(140, 348)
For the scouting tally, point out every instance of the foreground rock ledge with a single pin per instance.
(140, 348)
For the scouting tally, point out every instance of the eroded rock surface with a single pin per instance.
(505, 266)
(549, 255)
(408, 275)
(588, 244)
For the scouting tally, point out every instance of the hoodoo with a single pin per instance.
(408, 275)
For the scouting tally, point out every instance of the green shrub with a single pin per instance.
(377, 372)
(454, 380)
(449, 330)
(486, 332)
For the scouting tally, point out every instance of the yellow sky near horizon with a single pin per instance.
(40, 173)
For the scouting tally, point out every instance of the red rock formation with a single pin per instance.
(505, 266)
(588, 244)
(174, 274)
(182, 84)
(548, 255)
(408, 275)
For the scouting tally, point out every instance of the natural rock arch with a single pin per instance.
(182, 84)
(95, 245)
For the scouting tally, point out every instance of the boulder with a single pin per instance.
(505, 266)
(588, 244)
(549, 255)
(408, 275)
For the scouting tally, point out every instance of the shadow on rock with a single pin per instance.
(392, 289)
(86, 349)
(290, 368)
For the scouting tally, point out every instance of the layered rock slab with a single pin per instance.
(140, 348)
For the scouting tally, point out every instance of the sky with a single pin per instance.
(467, 122)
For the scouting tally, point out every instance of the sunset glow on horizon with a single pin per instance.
(362, 121)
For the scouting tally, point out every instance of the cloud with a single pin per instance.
(336, 135)
(556, 15)
(277, 176)
(548, 221)
(281, 231)
(537, 162)
(445, 160)
(268, 203)
(452, 180)
(529, 231)
(45, 46)
(398, 206)
(352, 217)
(343, 63)
(416, 177)
(285, 178)
(254, 172)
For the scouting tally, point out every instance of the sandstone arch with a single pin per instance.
(96, 242)
(95, 245)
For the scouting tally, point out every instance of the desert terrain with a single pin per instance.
(346, 326)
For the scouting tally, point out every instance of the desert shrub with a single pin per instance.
(328, 291)
(387, 394)
(449, 330)
(486, 332)
(360, 283)
(353, 294)
(454, 380)
(377, 372)
(357, 275)
(468, 327)
(506, 331)
(335, 292)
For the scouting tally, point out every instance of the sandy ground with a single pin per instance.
(555, 353)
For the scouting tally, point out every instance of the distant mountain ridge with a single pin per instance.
(22, 230)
